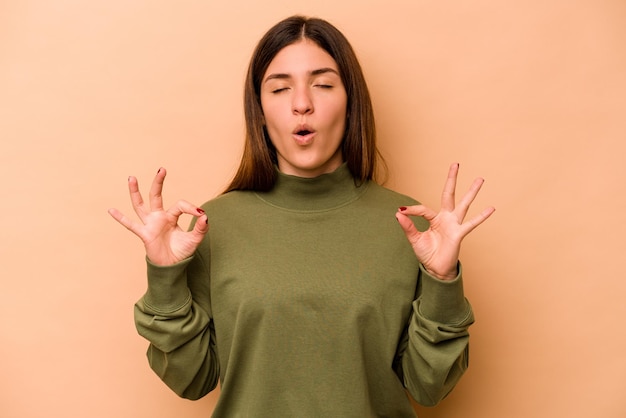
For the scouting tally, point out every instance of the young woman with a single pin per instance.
(314, 294)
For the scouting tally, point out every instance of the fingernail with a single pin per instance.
(159, 170)
(402, 208)
(200, 211)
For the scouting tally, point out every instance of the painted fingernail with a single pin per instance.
(200, 211)
(159, 170)
(402, 208)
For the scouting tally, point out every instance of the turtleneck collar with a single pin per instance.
(325, 192)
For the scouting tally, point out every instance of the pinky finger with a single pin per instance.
(123, 220)
(471, 224)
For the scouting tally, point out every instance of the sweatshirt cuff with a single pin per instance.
(443, 301)
(167, 286)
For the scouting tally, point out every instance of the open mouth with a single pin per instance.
(303, 130)
(303, 135)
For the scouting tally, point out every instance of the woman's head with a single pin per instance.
(304, 107)
(358, 145)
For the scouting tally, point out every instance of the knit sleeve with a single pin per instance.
(175, 317)
(433, 354)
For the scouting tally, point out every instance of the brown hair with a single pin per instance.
(256, 170)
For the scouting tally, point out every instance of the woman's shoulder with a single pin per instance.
(385, 199)
(230, 200)
(381, 193)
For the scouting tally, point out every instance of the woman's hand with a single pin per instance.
(438, 247)
(166, 243)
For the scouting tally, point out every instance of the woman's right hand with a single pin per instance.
(166, 243)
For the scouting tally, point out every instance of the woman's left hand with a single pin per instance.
(438, 247)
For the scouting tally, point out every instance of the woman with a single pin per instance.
(306, 299)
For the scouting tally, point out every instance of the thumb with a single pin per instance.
(408, 227)
(201, 226)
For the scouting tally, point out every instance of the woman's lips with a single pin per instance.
(303, 134)
(303, 138)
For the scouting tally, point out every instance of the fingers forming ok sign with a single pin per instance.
(438, 247)
(165, 242)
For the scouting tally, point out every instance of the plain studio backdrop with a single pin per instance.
(530, 95)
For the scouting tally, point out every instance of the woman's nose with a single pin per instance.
(302, 103)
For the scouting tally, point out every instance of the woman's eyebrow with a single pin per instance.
(277, 76)
(324, 71)
(282, 76)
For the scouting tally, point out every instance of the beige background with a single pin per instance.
(529, 94)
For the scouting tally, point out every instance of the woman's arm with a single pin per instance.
(175, 317)
(433, 354)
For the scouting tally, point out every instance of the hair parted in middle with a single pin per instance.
(257, 168)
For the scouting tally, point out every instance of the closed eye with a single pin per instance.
(279, 90)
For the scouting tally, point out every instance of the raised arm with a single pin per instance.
(175, 313)
(433, 355)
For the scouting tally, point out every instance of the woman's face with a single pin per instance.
(304, 104)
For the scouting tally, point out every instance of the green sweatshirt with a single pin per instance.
(306, 301)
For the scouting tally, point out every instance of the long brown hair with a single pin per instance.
(257, 168)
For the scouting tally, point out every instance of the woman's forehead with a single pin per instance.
(302, 57)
